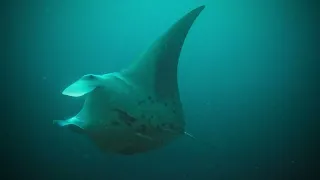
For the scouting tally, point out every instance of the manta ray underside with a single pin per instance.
(137, 109)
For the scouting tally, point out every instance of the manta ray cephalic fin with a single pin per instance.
(84, 85)
(74, 124)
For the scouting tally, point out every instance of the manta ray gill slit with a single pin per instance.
(131, 121)
(125, 117)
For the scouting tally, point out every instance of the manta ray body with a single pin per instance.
(139, 108)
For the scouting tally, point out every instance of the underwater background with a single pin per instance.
(248, 78)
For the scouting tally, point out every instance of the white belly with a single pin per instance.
(135, 126)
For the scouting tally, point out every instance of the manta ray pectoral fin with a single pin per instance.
(84, 85)
(156, 69)
(74, 124)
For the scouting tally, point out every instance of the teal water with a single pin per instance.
(248, 77)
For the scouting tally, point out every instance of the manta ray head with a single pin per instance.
(137, 109)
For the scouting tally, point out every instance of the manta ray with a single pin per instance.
(137, 109)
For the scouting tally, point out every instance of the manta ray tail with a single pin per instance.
(189, 135)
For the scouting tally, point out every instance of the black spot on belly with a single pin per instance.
(149, 97)
(143, 116)
(174, 111)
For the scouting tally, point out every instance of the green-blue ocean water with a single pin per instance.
(247, 77)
